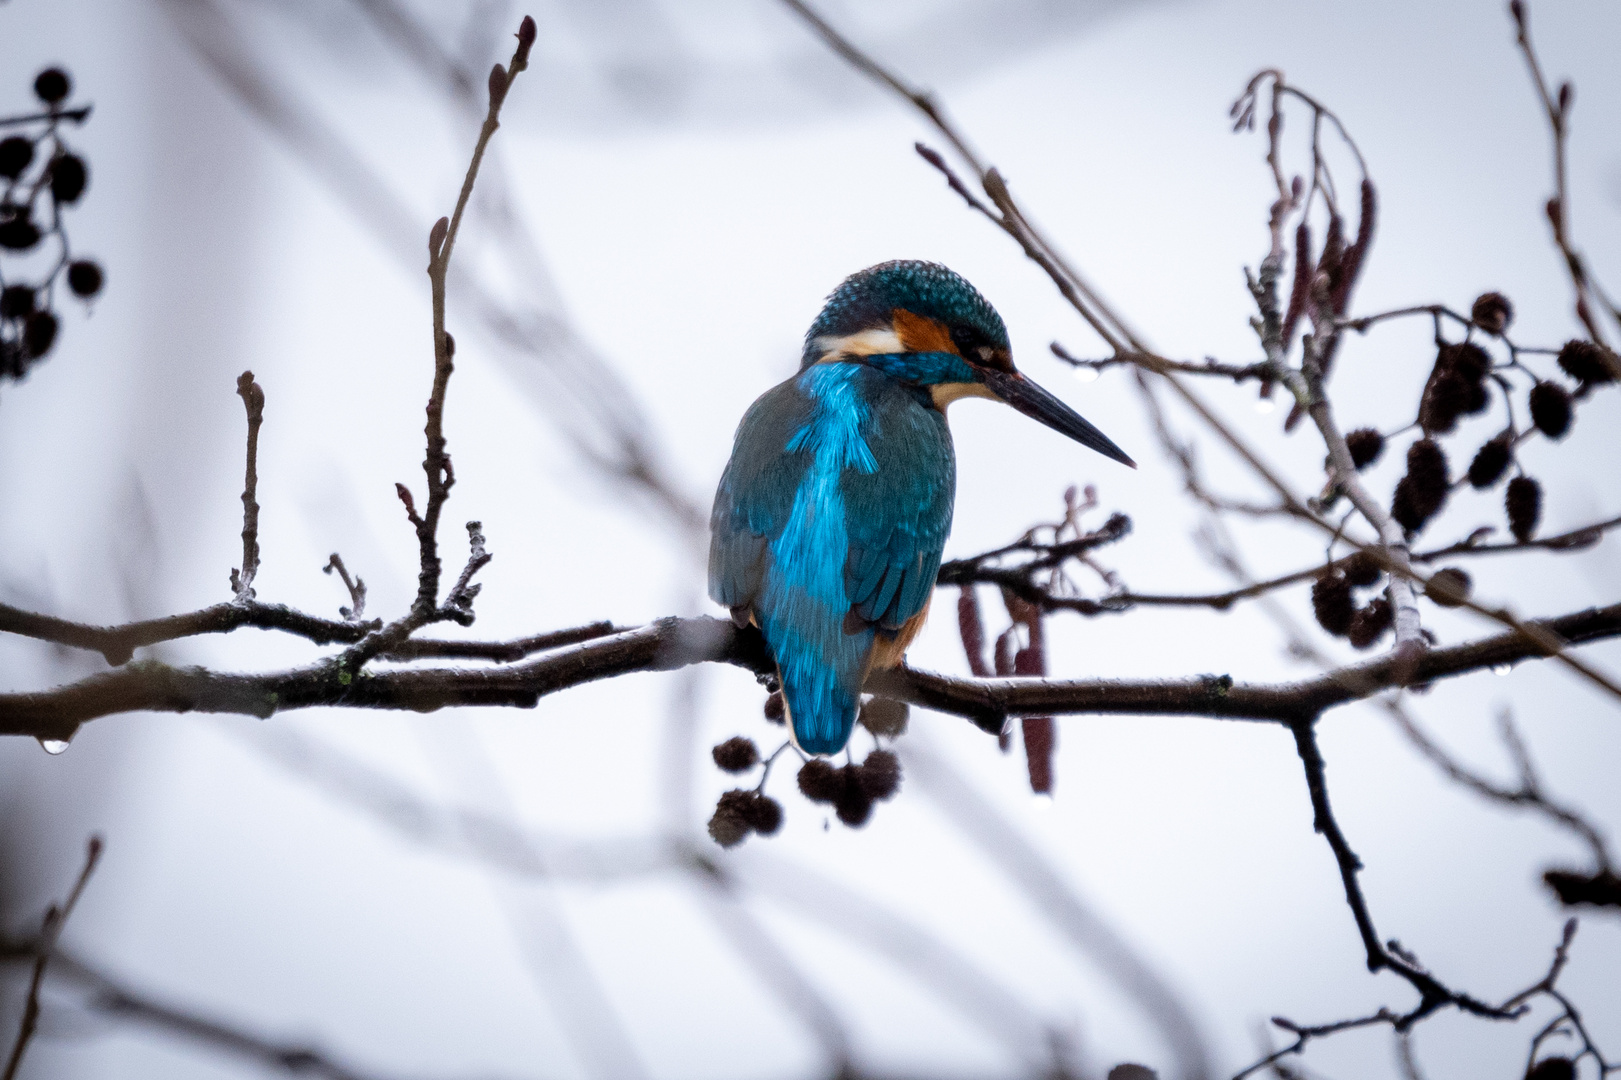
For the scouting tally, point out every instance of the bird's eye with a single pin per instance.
(965, 338)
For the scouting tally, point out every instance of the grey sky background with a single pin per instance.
(697, 177)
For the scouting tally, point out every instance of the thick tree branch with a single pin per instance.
(674, 643)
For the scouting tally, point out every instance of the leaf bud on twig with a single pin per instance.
(498, 84)
(526, 40)
(436, 236)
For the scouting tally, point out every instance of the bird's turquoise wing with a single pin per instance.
(837, 499)
(756, 494)
(899, 515)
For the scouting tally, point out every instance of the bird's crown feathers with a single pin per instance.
(868, 299)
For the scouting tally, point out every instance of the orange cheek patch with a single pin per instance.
(920, 334)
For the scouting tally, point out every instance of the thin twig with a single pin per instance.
(55, 919)
(118, 643)
(1557, 107)
(1210, 366)
(253, 398)
(1529, 793)
(355, 585)
(441, 243)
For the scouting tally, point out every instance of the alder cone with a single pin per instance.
(84, 278)
(1444, 401)
(1423, 490)
(1362, 569)
(1587, 362)
(880, 774)
(1331, 603)
(736, 754)
(16, 302)
(68, 178)
(1523, 503)
(1550, 409)
(1554, 1068)
(763, 814)
(52, 85)
(1370, 623)
(1365, 444)
(729, 825)
(774, 707)
(820, 782)
(1490, 461)
(1492, 312)
(16, 153)
(853, 805)
(39, 334)
(1449, 587)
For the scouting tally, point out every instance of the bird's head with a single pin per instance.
(924, 324)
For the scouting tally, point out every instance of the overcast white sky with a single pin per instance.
(694, 206)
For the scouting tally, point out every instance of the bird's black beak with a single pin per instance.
(1038, 404)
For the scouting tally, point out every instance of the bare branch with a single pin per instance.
(55, 919)
(441, 243)
(1557, 107)
(253, 398)
(1528, 795)
(118, 643)
(355, 585)
(673, 643)
(1236, 372)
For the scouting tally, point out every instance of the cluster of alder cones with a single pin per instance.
(1461, 384)
(850, 789)
(41, 177)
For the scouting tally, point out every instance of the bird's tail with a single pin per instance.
(821, 689)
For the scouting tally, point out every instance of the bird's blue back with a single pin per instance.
(837, 499)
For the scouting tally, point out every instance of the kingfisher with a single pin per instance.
(834, 509)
